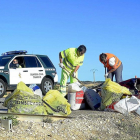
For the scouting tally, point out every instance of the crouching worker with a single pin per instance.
(70, 61)
(114, 66)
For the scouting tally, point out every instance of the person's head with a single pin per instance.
(103, 57)
(81, 50)
(15, 61)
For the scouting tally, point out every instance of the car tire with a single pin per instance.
(46, 85)
(2, 88)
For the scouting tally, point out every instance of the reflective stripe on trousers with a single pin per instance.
(64, 77)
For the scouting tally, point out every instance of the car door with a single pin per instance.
(35, 69)
(18, 74)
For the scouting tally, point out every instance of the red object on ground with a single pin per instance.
(79, 98)
(111, 107)
(138, 96)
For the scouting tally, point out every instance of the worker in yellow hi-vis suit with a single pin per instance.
(70, 59)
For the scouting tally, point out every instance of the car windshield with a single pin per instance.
(4, 60)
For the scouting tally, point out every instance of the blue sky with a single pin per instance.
(50, 26)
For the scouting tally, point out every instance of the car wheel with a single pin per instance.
(46, 85)
(2, 88)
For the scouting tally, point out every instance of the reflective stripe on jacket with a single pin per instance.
(117, 61)
(71, 59)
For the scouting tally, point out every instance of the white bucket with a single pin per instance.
(74, 87)
(76, 100)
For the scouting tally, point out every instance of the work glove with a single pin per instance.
(61, 65)
(74, 74)
(106, 75)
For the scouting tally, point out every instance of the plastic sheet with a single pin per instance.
(127, 105)
(36, 90)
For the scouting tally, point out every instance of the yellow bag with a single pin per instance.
(112, 92)
(24, 101)
(56, 104)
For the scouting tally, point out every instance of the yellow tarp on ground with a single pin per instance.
(56, 104)
(112, 92)
(24, 101)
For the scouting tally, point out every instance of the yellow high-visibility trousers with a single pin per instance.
(64, 77)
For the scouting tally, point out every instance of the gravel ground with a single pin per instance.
(84, 125)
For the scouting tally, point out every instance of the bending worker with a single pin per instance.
(114, 66)
(70, 61)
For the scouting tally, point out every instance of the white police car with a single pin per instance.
(34, 69)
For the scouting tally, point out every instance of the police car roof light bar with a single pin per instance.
(14, 52)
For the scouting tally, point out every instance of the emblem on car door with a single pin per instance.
(19, 75)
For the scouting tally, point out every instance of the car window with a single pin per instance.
(47, 62)
(31, 62)
(19, 60)
(4, 60)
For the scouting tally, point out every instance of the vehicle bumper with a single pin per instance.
(56, 78)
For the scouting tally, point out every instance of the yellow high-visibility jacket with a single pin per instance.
(71, 59)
